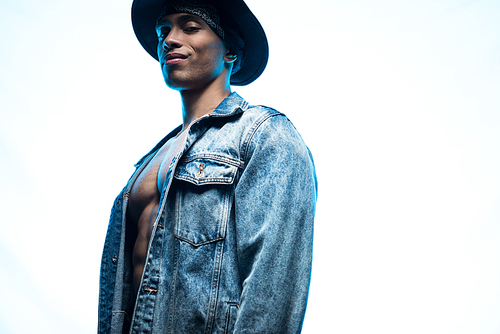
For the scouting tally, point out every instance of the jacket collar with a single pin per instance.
(230, 106)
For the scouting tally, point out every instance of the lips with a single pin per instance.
(174, 58)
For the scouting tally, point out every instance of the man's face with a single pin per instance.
(191, 55)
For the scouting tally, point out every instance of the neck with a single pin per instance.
(199, 102)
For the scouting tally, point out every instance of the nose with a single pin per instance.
(171, 41)
(164, 45)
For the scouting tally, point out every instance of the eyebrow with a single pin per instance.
(180, 20)
(188, 17)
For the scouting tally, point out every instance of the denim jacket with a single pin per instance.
(231, 246)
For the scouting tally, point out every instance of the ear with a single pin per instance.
(230, 58)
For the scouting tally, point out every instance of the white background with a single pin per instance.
(398, 101)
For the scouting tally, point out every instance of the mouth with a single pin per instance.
(174, 58)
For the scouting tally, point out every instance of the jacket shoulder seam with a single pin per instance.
(267, 114)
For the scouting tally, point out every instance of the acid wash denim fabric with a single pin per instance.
(231, 246)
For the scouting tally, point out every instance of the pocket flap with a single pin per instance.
(205, 171)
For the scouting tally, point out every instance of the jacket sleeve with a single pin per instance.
(275, 202)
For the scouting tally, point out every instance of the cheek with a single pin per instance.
(214, 53)
(159, 50)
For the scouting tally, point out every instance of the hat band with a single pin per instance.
(206, 12)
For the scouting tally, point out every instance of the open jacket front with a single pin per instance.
(231, 246)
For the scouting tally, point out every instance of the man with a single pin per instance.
(213, 231)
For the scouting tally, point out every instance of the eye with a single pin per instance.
(163, 34)
(191, 29)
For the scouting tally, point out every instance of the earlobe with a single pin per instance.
(230, 58)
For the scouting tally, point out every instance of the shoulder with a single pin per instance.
(257, 116)
(272, 145)
(261, 118)
(272, 131)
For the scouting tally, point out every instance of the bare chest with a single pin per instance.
(145, 192)
(144, 202)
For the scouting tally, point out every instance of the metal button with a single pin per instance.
(200, 171)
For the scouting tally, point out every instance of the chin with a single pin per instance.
(177, 83)
(180, 86)
(180, 83)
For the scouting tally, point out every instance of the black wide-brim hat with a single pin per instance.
(145, 13)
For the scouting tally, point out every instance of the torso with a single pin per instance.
(144, 202)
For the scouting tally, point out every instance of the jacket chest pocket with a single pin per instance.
(203, 200)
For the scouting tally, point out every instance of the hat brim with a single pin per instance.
(145, 13)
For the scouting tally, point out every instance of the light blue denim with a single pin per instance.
(231, 248)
